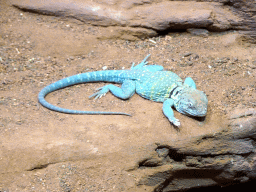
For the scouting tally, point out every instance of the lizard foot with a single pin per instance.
(101, 93)
(175, 122)
(140, 65)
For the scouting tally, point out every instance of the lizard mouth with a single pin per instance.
(200, 113)
(194, 113)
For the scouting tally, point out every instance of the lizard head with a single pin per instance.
(192, 102)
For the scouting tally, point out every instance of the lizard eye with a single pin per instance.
(190, 104)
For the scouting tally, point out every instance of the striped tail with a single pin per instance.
(117, 76)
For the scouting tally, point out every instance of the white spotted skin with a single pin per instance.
(158, 85)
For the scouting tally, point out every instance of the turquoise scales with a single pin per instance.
(149, 81)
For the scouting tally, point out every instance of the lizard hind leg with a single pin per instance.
(143, 66)
(125, 92)
(140, 65)
(153, 68)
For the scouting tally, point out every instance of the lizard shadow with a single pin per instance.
(200, 119)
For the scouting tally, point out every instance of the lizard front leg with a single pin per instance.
(168, 112)
(126, 91)
(190, 82)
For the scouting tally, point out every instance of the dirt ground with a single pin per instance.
(36, 50)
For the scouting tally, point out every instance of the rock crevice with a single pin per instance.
(224, 158)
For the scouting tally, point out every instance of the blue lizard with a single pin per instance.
(149, 81)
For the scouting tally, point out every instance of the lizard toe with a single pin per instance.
(175, 122)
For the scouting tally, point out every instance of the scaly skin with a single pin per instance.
(149, 81)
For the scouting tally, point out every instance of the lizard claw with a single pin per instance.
(175, 122)
(132, 65)
(101, 93)
(140, 65)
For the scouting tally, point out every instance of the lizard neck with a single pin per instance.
(175, 93)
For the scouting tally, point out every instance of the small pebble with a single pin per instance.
(187, 54)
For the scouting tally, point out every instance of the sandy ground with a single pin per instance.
(37, 50)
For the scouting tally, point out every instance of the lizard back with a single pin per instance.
(158, 85)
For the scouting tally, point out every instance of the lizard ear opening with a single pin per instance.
(190, 82)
